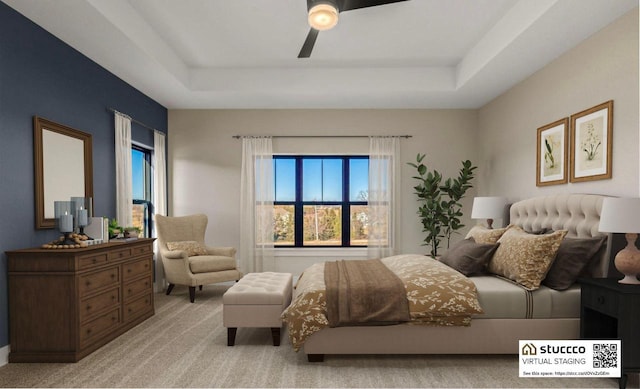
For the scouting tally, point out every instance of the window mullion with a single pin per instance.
(298, 208)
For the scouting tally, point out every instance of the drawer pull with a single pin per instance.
(113, 275)
(113, 318)
(88, 331)
(87, 283)
(600, 299)
(88, 307)
(94, 260)
(129, 291)
(129, 270)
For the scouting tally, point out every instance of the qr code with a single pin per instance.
(605, 355)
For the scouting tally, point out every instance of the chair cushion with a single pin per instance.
(211, 263)
(191, 247)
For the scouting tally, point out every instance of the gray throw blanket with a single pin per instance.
(364, 292)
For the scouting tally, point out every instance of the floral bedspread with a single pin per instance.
(437, 295)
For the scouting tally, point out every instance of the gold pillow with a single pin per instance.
(482, 234)
(191, 247)
(525, 258)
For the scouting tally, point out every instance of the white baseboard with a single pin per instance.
(4, 355)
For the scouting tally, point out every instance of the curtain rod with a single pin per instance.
(323, 136)
(136, 121)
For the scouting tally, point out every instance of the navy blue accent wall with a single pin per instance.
(41, 75)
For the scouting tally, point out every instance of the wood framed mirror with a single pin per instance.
(63, 164)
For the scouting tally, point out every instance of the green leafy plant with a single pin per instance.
(114, 228)
(440, 208)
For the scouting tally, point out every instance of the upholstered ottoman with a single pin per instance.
(257, 300)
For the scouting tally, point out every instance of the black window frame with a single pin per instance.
(299, 204)
(148, 188)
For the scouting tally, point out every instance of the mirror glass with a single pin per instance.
(63, 167)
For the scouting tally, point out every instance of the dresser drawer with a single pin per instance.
(98, 303)
(136, 269)
(98, 280)
(138, 307)
(115, 255)
(139, 250)
(601, 300)
(134, 288)
(93, 329)
(88, 261)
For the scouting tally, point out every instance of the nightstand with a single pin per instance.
(611, 310)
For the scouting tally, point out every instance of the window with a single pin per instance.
(142, 193)
(321, 201)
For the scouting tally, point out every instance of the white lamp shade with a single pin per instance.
(488, 207)
(620, 215)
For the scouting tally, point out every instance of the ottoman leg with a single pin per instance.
(231, 336)
(275, 335)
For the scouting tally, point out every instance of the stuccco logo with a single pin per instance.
(529, 349)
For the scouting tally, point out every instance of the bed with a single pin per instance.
(511, 312)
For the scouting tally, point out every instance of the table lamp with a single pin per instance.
(622, 215)
(488, 208)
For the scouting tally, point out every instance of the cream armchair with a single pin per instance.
(185, 257)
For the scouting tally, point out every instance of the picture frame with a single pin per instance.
(591, 143)
(552, 156)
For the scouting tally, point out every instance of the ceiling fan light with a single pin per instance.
(323, 16)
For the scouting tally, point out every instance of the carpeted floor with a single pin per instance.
(184, 345)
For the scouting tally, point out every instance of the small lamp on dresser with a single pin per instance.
(488, 208)
(622, 215)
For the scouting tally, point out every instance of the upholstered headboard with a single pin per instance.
(579, 214)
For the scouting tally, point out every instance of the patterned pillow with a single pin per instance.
(191, 247)
(482, 234)
(525, 258)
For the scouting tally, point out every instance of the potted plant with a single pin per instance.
(131, 232)
(440, 209)
(114, 229)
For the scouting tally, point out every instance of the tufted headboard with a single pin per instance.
(579, 214)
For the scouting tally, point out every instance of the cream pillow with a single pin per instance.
(482, 234)
(191, 247)
(525, 258)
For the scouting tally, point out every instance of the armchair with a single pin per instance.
(185, 257)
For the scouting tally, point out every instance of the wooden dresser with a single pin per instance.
(66, 303)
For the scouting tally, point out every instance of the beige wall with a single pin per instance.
(602, 68)
(205, 161)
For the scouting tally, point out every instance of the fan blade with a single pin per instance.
(348, 5)
(305, 52)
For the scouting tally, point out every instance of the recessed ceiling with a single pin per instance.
(243, 53)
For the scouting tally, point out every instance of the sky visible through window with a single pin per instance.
(137, 174)
(322, 179)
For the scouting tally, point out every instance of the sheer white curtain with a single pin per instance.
(124, 191)
(384, 178)
(159, 164)
(256, 205)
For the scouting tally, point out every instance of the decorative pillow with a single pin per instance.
(482, 234)
(525, 258)
(191, 247)
(469, 257)
(574, 255)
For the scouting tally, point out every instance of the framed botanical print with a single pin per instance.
(591, 140)
(552, 156)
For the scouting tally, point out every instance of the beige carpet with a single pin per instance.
(184, 345)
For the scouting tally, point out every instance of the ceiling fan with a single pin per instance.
(323, 15)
